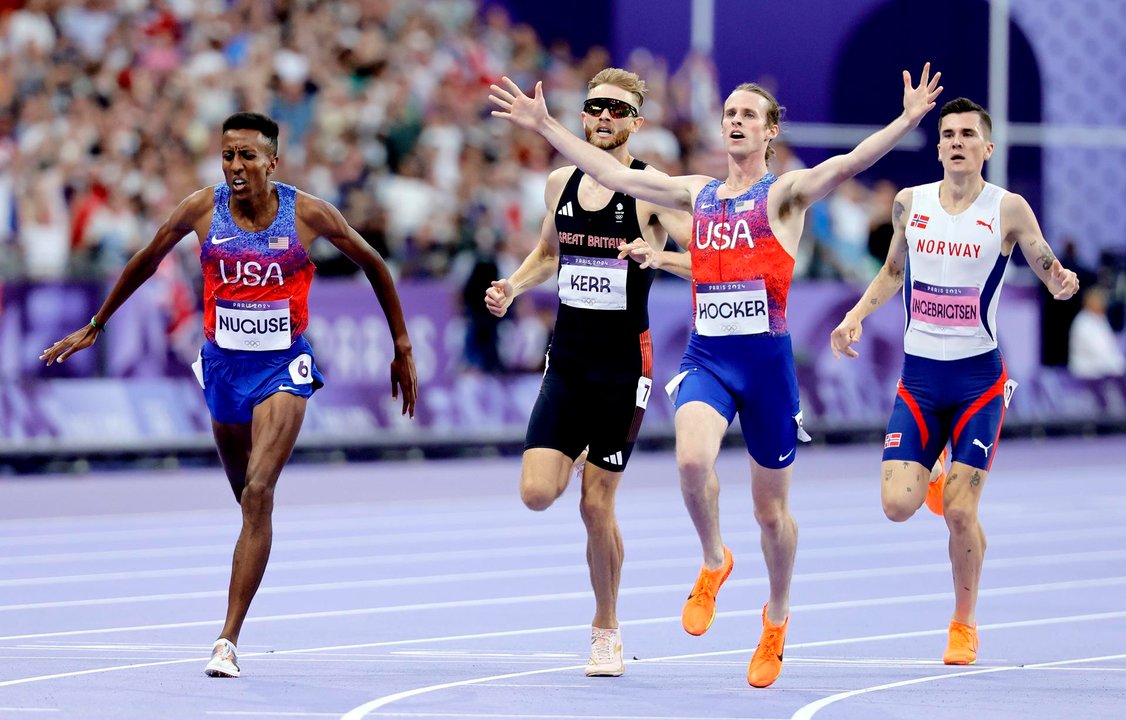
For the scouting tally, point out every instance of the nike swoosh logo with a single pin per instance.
(220, 241)
(783, 457)
(287, 387)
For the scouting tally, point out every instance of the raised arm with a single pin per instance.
(531, 113)
(1022, 229)
(802, 188)
(183, 220)
(322, 219)
(883, 287)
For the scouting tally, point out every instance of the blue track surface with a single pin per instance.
(426, 590)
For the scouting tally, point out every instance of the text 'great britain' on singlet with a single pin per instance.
(740, 272)
(255, 284)
(601, 329)
(954, 275)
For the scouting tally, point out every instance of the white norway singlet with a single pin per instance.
(955, 271)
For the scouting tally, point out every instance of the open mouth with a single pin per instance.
(604, 131)
(238, 183)
(737, 135)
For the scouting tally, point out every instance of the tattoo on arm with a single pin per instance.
(1046, 256)
(897, 211)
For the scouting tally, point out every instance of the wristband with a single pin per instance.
(100, 327)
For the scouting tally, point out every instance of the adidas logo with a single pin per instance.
(566, 210)
(615, 459)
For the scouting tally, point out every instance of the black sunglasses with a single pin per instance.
(618, 108)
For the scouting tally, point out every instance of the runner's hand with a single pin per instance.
(77, 340)
(404, 378)
(499, 297)
(642, 252)
(845, 334)
(1065, 279)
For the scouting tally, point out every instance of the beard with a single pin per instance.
(606, 142)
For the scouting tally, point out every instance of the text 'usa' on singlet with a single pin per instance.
(954, 275)
(601, 329)
(740, 272)
(255, 284)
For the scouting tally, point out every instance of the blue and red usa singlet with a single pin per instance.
(740, 272)
(739, 359)
(255, 284)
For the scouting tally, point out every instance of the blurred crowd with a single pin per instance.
(110, 113)
(110, 109)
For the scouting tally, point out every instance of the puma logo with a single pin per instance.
(978, 443)
(987, 224)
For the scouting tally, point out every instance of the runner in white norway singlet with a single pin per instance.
(955, 271)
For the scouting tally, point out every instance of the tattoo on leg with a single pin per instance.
(975, 480)
(905, 465)
(952, 478)
(887, 475)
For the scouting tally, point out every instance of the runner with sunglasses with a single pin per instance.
(599, 367)
(739, 359)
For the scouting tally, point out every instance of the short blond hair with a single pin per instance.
(626, 80)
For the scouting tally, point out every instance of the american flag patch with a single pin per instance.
(920, 221)
(279, 243)
(892, 440)
(744, 206)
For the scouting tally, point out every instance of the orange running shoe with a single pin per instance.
(699, 611)
(938, 485)
(766, 663)
(961, 649)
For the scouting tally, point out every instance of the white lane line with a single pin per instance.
(915, 569)
(806, 712)
(875, 602)
(399, 559)
(571, 628)
(553, 597)
(362, 711)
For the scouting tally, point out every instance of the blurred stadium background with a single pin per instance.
(109, 115)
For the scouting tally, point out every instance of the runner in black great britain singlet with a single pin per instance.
(598, 380)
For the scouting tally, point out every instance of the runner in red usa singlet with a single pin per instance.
(739, 360)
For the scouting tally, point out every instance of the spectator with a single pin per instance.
(1095, 350)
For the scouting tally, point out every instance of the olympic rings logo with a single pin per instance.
(252, 343)
(729, 328)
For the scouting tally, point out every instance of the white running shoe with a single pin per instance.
(224, 660)
(605, 653)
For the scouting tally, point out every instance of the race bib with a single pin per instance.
(593, 283)
(252, 324)
(732, 308)
(945, 306)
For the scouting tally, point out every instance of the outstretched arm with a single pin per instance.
(1022, 229)
(806, 187)
(324, 220)
(531, 113)
(140, 268)
(882, 288)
